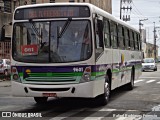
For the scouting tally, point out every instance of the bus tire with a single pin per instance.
(103, 99)
(40, 100)
(130, 85)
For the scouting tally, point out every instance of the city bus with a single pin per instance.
(72, 50)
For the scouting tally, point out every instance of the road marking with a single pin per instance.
(150, 81)
(138, 81)
(121, 118)
(92, 116)
(5, 108)
(148, 77)
(158, 82)
(67, 114)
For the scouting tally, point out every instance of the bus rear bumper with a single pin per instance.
(86, 90)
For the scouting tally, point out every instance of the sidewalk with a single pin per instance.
(5, 83)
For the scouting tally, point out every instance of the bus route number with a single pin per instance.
(29, 49)
(78, 69)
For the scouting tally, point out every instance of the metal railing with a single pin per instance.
(5, 48)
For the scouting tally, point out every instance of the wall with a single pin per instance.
(5, 19)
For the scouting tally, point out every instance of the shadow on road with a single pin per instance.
(62, 105)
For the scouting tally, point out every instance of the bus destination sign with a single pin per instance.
(51, 12)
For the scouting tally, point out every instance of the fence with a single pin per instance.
(5, 48)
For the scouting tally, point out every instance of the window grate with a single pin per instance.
(7, 6)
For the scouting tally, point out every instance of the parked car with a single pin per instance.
(5, 67)
(149, 64)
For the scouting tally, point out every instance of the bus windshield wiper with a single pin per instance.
(34, 27)
(64, 28)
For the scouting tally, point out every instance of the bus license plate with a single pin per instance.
(49, 94)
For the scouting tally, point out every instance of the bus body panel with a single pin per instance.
(86, 90)
(110, 59)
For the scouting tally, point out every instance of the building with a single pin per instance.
(148, 50)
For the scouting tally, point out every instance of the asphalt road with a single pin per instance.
(142, 103)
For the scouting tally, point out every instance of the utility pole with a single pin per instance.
(125, 5)
(140, 24)
(140, 30)
(154, 37)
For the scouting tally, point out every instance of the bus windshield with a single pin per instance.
(43, 42)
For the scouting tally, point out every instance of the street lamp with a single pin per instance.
(140, 24)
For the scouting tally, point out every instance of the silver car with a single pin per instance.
(149, 64)
(5, 67)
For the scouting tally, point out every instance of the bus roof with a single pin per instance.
(93, 8)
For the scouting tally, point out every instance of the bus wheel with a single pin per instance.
(104, 98)
(131, 84)
(40, 100)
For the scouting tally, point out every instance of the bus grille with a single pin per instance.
(50, 77)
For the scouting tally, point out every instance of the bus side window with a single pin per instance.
(140, 42)
(128, 39)
(121, 37)
(131, 39)
(106, 32)
(136, 41)
(113, 31)
(99, 36)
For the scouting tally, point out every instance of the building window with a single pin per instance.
(52, 1)
(7, 6)
(33, 2)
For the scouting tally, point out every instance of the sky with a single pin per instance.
(142, 9)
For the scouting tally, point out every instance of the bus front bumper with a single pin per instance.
(86, 90)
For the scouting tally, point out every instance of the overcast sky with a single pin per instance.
(142, 9)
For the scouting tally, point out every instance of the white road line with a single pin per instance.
(158, 82)
(92, 116)
(128, 118)
(150, 81)
(138, 81)
(148, 77)
(121, 118)
(5, 108)
(66, 114)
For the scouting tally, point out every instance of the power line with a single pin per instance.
(136, 8)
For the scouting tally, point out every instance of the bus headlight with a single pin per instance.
(15, 76)
(86, 77)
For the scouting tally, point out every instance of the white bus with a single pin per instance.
(72, 50)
